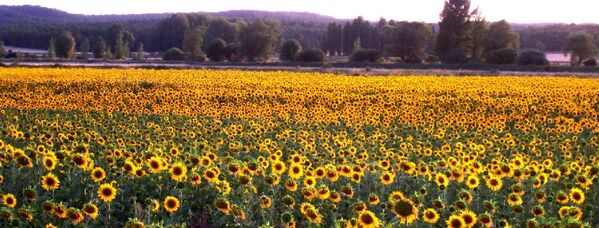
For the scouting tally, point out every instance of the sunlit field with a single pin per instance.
(153, 148)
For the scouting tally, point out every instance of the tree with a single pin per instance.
(501, 36)
(170, 31)
(454, 27)
(221, 28)
(260, 38)
(52, 49)
(173, 54)
(478, 37)
(367, 55)
(84, 48)
(100, 50)
(217, 50)
(532, 57)
(290, 50)
(193, 42)
(502, 56)
(115, 31)
(580, 46)
(407, 40)
(121, 48)
(65, 46)
(2, 49)
(311, 55)
(140, 51)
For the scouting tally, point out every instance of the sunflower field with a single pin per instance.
(226, 148)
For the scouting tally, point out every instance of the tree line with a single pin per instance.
(462, 35)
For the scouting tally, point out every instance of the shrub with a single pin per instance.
(311, 55)
(414, 59)
(502, 56)
(290, 50)
(234, 52)
(532, 57)
(173, 54)
(590, 62)
(455, 56)
(216, 51)
(367, 55)
(432, 59)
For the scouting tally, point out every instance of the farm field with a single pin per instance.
(214, 148)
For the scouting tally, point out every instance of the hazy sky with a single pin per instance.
(571, 11)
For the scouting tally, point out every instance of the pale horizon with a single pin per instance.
(531, 11)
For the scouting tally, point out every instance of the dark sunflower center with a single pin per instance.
(367, 219)
(403, 208)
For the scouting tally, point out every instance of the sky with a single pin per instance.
(516, 11)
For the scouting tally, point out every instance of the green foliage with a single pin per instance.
(2, 49)
(367, 55)
(173, 54)
(121, 48)
(407, 39)
(52, 48)
(532, 57)
(454, 27)
(590, 62)
(101, 50)
(84, 49)
(480, 32)
(234, 52)
(455, 56)
(217, 50)
(290, 50)
(580, 46)
(192, 43)
(260, 38)
(502, 56)
(65, 46)
(311, 55)
(140, 51)
(501, 36)
(221, 28)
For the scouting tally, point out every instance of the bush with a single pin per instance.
(432, 59)
(367, 55)
(173, 54)
(502, 56)
(290, 50)
(234, 52)
(413, 59)
(216, 50)
(455, 56)
(311, 55)
(532, 57)
(590, 62)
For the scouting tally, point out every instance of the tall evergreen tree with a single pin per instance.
(454, 27)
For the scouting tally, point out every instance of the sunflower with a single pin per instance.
(25, 214)
(441, 180)
(313, 216)
(278, 167)
(562, 197)
(577, 195)
(485, 220)
(171, 204)
(155, 164)
(178, 171)
(373, 199)
(222, 205)
(538, 210)
(456, 221)
(406, 210)
(9, 200)
(296, 171)
(154, 205)
(494, 183)
(49, 162)
(469, 217)
(291, 185)
(60, 211)
(472, 181)
(74, 215)
(430, 215)
(211, 175)
(91, 210)
(196, 179)
(396, 196)
(98, 174)
(367, 219)
(387, 178)
(514, 199)
(50, 182)
(310, 181)
(107, 192)
(50, 225)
